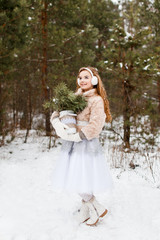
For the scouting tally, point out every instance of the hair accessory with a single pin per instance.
(94, 79)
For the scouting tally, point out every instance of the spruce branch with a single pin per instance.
(65, 99)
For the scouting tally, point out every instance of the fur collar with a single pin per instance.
(88, 93)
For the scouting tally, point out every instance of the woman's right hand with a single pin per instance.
(54, 115)
(58, 125)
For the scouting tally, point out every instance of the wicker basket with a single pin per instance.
(68, 117)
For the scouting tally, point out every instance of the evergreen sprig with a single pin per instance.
(65, 99)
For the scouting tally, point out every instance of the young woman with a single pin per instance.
(82, 167)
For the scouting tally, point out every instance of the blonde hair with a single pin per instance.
(101, 91)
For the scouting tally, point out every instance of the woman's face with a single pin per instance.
(85, 80)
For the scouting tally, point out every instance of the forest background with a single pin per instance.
(44, 42)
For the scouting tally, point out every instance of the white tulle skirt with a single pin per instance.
(82, 168)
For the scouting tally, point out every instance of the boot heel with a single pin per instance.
(103, 214)
(85, 220)
(101, 210)
(93, 224)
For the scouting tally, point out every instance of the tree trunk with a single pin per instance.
(1, 111)
(14, 111)
(126, 114)
(45, 88)
(158, 83)
(127, 91)
(126, 102)
(30, 104)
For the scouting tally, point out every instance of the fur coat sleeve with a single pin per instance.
(96, 119)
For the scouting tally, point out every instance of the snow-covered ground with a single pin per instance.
(31, 210)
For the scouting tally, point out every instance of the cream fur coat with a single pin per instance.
(93, 114)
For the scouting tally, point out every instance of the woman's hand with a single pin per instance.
(55, 114)
(61, 132)
(56, 123)
(60, 129)
(54, 120)
(72, 137)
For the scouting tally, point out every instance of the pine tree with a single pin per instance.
(126, 63)
(13, 22)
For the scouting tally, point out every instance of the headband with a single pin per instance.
(89, 71)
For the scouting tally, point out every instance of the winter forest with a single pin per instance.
(44, 43)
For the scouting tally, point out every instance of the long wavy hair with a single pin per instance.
(100, 90)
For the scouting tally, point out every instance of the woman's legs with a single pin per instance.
(100, 209)
(84, 211)
(86, 197)
(91, 209)
(88, 212)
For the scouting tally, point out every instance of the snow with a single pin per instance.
(121, 65)
(31, 210)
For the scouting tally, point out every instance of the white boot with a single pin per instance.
(93, 214)
(84, 212)
(101, 210)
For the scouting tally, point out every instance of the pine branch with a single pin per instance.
(65, 99)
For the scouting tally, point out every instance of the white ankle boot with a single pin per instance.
(93, 214)
(101, 210)
(84, 212)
